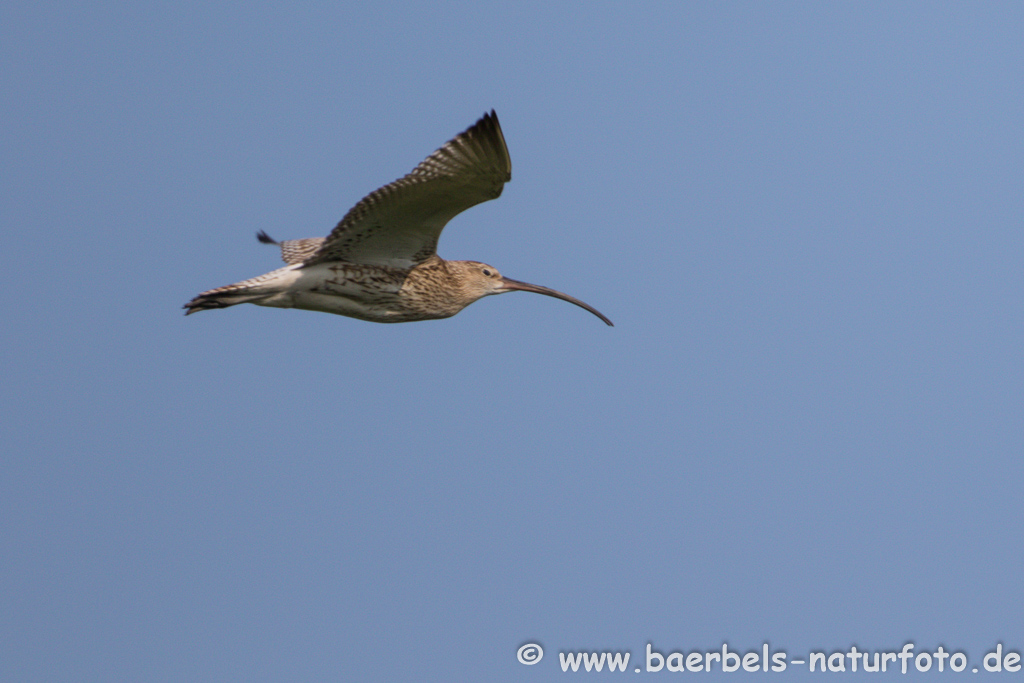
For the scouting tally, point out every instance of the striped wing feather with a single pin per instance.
(293, 251)
(297, 251)
(399, 224)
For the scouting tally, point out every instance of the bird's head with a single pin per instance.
(478, 280)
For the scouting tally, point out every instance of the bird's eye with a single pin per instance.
(487, 272)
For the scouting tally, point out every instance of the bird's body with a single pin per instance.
(380, 294)
(380, 263)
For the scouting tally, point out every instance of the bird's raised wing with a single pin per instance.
(293, 251)
(399, 224)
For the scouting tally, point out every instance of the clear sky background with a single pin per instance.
(806, 427)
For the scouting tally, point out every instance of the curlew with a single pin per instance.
(380, 263)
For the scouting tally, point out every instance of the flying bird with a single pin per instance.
(380, 263)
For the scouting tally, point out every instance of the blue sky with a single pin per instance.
(805, 428)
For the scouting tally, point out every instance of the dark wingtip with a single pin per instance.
(262, 236)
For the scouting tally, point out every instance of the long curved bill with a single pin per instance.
(513, 285)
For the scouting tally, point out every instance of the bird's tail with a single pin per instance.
(216, 299)
(256, 290)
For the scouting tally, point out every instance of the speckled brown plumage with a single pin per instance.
(380, 262)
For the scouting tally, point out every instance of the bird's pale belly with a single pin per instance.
(362, 292)
(376, 309)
